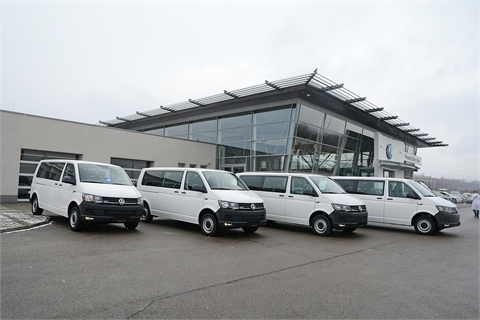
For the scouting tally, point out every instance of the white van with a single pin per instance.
(214, 199)
(86, 192)
(307, 199)
(402, 202)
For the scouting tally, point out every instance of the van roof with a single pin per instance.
(369, 178)
(262, 173)
(78, 161)
(185, 168)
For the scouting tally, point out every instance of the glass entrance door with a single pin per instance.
(235, 168)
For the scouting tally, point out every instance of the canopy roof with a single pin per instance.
(313, 79)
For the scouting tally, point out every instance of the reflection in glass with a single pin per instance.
(334, 124)
(204, 136)
(265, 147)
(232, 135)
(306, 131)
(157, 132)
(237, 149)
(175, 131)
(272, 130)
(202, 126)
(235, 121)
(272, 163)
(272, 116)
(331, 138)
(311, 116)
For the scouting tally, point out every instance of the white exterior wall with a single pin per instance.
(94, 143)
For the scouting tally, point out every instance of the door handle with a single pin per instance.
(290, 196)
(281, 195)
(183, 192)
(175, 191)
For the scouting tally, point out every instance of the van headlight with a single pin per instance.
(341, 207)
(228, 205)
(91, 198)
(139, 200)
(446, 209)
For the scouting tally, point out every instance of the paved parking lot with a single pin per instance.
(168, 269)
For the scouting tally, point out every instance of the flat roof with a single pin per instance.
(314, 80)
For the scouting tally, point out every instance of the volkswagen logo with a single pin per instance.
(121, 201)
(389, 151)
(253, 206)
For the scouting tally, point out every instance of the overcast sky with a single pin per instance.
(87, 61)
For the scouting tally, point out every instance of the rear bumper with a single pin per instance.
(107, 213)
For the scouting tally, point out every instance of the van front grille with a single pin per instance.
(248, 206)
(128, 201)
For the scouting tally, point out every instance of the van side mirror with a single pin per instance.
(68, 179)
(198, 188)
(310, 193)
(412, 195)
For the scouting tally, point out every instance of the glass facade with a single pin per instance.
(283, 138)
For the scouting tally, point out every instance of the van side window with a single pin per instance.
(275, 184)
(347, 185)
(172, 179)
(50, 170)
(191, 179)
(299, 185)
(153, 178)
(398, 189)
(253, 182)
(373, 188)
(69, 171)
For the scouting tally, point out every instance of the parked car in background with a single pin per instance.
(467, 197)
(441, 195)
(458, 194)
(456, 199)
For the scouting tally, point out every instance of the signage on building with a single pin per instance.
(413, 158)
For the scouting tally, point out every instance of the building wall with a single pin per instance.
(91, 142)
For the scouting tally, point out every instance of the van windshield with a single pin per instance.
(222, 180)
(326, 185)
(422, 189)
(105, 174)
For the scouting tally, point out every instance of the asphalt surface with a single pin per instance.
(169, 270)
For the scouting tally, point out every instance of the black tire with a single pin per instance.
(209, 225)
(250, 229)
(349, 230)
(74, 219)
(147, 217)
(321, 225)
(425, 225)
(36, 210)
(130, 225)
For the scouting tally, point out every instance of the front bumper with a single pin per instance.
(109, 213)
(342, 219)
(229, 219)
(447, 220)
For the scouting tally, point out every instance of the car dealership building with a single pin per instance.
(306, 123)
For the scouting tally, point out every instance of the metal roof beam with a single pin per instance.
(388, 118)
(168, 109)
(273, 85)
(401, 124)
(311, 76)
(374, 110)
(196, 102)
(330, 88)
(430, 138)
(356, 100)
(105, 123)
(143, 114)
(420, 135)
(231, 94)
(123, 119)
(411, 130)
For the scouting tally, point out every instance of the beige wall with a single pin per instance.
(94, 143)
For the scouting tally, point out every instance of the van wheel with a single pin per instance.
(349, 230)
(250, 229)
(321, 225)
(130, 225)
(425, 225)
(74, 219)
(36, 210)
(147, 217)
(209, 224)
